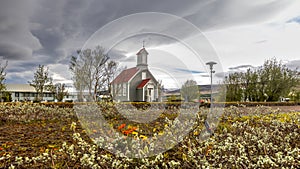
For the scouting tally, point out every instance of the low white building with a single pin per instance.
(25, 92)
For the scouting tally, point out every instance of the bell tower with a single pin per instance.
(142, 57)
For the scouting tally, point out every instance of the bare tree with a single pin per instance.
(2, 76)
(41, 81)
(60, 91)
(78, 77)
(92, 71)
(3, 94)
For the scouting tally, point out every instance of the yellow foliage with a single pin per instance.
(135, 133)
(143, 137)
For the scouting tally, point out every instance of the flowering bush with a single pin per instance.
(258, 137)
(25, 112)
(253, 104)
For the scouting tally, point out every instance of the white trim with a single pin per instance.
(156, 94)
(128, 87)
(124, 89)
(143, 97)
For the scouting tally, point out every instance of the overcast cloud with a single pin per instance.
(34, 32)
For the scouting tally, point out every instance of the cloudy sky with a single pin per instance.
(179, 35)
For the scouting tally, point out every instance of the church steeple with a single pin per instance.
(142, 57)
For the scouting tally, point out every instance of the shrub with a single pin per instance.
(141, 105)
(254, 104)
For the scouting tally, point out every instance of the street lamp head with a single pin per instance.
(211, 64)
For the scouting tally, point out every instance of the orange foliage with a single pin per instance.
(121, 126)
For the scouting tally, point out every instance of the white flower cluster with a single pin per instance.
(242, 140)
(26, 112)
(27, 161)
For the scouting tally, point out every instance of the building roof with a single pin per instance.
(142, 50)
(143, 83)
(125, 75)
(19, 88)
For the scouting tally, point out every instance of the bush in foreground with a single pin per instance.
(262, 138)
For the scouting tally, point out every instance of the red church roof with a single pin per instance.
(125, 75)
(143, 83)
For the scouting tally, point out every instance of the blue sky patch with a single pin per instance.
(189, 71)
(296, 19)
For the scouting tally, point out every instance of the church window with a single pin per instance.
(119, 90)
(124, 89)
(143, 75)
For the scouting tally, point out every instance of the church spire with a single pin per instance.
(142, 57)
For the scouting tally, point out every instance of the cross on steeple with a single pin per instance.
(143, 43)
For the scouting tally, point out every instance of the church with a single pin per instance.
(137, 83)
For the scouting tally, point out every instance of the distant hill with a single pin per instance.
(203, 89)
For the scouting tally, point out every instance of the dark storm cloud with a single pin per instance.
(220, 14)
(241, 67)
(14, 51)
(221, 74)
(48, 32)
(20, 66)
(17, 42)
(293, 65)
(57, 26)
(116, 54)
(19, 79)
(68, 23)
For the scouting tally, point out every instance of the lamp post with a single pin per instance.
(211, 64)
(207, 125)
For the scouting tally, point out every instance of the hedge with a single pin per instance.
(167, 105)
(253, 104)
